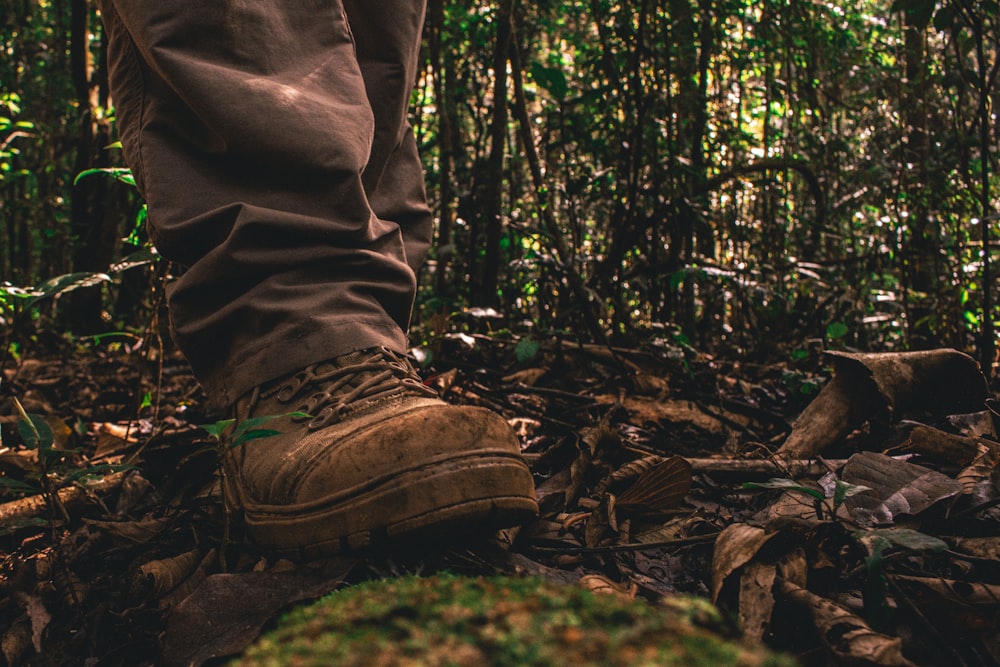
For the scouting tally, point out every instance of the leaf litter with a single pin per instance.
(856, 525)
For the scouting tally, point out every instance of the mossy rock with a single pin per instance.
(451, 620)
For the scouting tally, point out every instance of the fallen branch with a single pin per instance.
(71, 497)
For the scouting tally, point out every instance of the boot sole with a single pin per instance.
(489, 490)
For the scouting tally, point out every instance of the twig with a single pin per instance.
(70, 497)
(616, 548)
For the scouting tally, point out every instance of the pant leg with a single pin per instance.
(387, 38)
(248, 125)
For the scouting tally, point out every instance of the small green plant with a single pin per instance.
(54, 468)
(245, 431)
(876, 541)
(229, 434)
(825, 501)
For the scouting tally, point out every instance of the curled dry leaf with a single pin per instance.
(169, 574)
(793, 566)
(937, 381)
(735, 547)
(844, 633)
(962, 592)
(894, 488)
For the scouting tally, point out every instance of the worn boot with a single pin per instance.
(380, 457)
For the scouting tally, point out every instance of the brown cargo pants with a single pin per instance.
(269, 138)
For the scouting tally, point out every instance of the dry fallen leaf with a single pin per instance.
(844, 633)
(962, 592)
(894, 488)
(735, 547)
(226, 613)
(598, 583)
(937, 381)
(756, 598)
(660, 488)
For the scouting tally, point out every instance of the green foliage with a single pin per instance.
(55, 467)
(757, 174)
(223, 431)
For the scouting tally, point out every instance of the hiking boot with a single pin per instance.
(380, 457)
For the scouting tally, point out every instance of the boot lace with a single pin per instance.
(328, 390)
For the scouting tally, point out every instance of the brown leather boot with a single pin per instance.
(382, 457)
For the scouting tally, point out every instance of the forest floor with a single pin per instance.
(871, 537)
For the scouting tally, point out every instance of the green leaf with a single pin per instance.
(17, 485)
(254, 434)
(35, 433)
(877, 611)
(68, 283)
(10, 527)
(218, 428)
(787, 485)
(912, 539)
(96, 470)
(526, 349)
(551, 79)
(844, 490)
(836, 330)
(122, 174)
(248, 429)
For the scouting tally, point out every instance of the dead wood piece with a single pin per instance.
(757, 468)
(71, 497)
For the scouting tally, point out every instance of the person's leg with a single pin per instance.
(387, 39)
(262, 146)
(248, 127)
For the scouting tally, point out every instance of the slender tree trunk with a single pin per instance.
(921, 244)
(492, 215)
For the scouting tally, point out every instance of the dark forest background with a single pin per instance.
(747, 178)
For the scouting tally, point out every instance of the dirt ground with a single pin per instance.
(866, 533)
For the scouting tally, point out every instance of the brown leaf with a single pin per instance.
(962, 592)
(935, 443)
(976, 478)
(756, 599)
(226, 613)
(937, 381)
(598, 583)
(528, 376)
(660, 488)
(987, 548)
(846, 634)
(167, 574)
(895, 487)
(115, 438)
(34, 606)
(735, 547)
(141, 531)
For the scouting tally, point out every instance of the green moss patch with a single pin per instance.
(450, 620)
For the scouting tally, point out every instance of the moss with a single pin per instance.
(450, 620)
